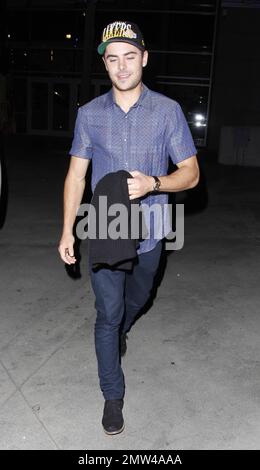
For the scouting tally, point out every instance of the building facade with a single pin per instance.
(52, 52)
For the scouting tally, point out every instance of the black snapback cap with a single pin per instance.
(121, 31)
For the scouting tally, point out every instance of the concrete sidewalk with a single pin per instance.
(192, 366)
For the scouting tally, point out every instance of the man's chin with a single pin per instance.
(126, 86)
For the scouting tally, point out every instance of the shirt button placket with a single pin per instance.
(126, 141)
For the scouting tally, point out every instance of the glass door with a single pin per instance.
(52, 105)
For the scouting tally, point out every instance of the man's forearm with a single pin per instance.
(179, 180)
(185, 177)
(73, 193)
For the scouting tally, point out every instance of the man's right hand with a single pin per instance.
(66, 249)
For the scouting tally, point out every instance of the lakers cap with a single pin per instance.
(121, 31)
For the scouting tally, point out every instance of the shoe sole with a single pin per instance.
(115, 432)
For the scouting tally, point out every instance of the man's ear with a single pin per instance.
(145, 58)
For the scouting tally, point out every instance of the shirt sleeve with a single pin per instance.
(179, 140)
(81, 144)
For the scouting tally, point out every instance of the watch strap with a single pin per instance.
(157, 183)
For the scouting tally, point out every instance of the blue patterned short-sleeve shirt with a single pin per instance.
(143, 139)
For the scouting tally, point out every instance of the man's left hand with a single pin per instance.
(139, 185)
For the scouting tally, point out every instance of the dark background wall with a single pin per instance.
(236, 86)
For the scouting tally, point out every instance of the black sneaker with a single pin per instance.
(122, 344)
(113, 421)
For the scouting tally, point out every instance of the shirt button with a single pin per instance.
(126, 117)
(125, 140)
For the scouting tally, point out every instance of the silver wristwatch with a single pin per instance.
(157, 183)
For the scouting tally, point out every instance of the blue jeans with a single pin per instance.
(120, 295)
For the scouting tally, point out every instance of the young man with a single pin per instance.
(135, 129)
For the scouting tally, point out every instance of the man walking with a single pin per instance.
(134, 129)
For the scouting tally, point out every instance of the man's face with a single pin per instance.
(124, 64)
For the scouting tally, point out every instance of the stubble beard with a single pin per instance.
(131, 86)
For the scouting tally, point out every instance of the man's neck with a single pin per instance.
(126, 99)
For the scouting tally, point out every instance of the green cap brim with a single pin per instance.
(102, 47)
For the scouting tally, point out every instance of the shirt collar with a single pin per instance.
(144, 99)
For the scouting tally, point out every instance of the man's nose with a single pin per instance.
(122, 64)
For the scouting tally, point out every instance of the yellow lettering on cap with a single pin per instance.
(118, 29)
(122, 29)
(108, 32)
(117, 26)
(111, 30)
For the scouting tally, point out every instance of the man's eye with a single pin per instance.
(112, 60)
(131, 58)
